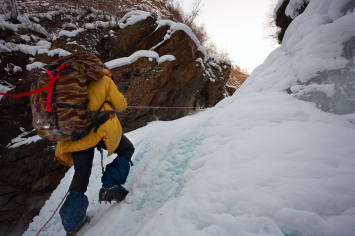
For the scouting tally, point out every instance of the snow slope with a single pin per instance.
(261, 162)
(258, 164)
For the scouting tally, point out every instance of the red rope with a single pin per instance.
(53, 213)
(49, 86)
(26, 94)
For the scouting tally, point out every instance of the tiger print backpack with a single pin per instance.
(60, 112)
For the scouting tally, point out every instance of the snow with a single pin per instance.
(73, 42)
(70, 34)
(166, 58)
(89, 26)
(97, 24)
(4, 87)
(257, 164)
(20, 140)
(41, 48)
(293, 7)
(36, 19)
(215, 65)
(133, 17)
(16, 69)
(26, 38)
(69, 25)
(35, 65)
(201, 63)
(318, 40)
(60, 52)
(3, 48)
(135, 56)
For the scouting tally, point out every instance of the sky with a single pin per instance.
(237, 26)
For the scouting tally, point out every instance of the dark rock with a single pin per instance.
(230, 90)
(283, 21)
(128, 40)
(28, 177)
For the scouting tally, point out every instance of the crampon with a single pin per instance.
(116, 193)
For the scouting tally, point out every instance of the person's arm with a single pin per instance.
(115, 98)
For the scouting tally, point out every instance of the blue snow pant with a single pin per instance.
(74, 208)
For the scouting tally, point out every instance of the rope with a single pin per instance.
(53, 213)
(48, 86)
(102, 160)
(147, 107)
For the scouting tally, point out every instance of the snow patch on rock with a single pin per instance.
(135, 56)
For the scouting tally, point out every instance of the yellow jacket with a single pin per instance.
(110, 132)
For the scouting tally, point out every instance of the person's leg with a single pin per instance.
(82, 166)
(116, 172)
(74, 208)
(114, 176)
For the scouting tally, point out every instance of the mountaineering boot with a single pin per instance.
(80, 225)
(115, 193)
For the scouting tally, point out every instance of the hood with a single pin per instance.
(86, 63)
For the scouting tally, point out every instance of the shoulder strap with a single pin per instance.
(52, 79)
(95, 124)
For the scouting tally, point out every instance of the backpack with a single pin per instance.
(60, 112)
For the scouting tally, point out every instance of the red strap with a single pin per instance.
(50, 84)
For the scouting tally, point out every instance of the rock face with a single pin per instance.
(183, 82)
(182, 75)
(283, 20)
(147, 83)
(28, 177)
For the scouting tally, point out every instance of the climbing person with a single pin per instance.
(103, 97)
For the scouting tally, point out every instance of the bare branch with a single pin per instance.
(195, 11)
(270, 28)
